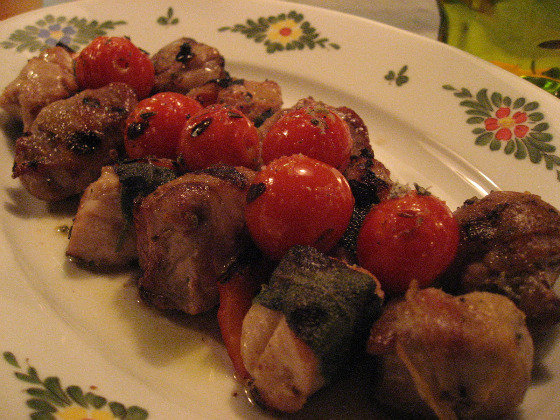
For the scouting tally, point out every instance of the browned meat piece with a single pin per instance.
(464, 357)
(369, 178)
(257, 100)
(44, 79)
(98, 234)
(185, 64)
(510, 244)
(71, 140)
(189, 232)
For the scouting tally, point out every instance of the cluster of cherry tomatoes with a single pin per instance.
(299, 195)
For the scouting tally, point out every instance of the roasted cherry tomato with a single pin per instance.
(297, 200)
(413, 237)
(154, 127)
(114, 59)
(313, 130)
(219, 135)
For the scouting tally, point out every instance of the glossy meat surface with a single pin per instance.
(185, 64)
(464, 357)
(71, 140)
(44, 79)
(257, 100)
(510, 244)
(98, 234)
(189, 232)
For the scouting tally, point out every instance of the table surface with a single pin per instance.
(418, 16)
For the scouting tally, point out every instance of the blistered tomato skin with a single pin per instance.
(313, 130)
(219, 134)
(115, 59)
(153, 129)
(297, 200)
(414, 237)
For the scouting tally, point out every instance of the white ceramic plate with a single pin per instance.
(71, 336)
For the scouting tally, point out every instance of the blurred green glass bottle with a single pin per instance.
(522, 36)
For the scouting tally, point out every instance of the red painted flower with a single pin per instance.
(506, 125)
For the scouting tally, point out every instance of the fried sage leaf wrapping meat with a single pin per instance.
(463, 357)
(305, 327)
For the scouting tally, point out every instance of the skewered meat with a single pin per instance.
(464, 357)
(103, 233)
(305, 327)
(98, 235)
(185, 64)
(257, 100)
(44, 79)
(71, 140)
(369, 179)
(189, 233)
(511, 245)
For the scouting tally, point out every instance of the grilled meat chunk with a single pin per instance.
(510, 244)
(98, 234)
(369, 179)
(464, 357)
(306, 326)
(44, 79)
(189, 233)
(185, 64)
(71, 140)
(257, 100)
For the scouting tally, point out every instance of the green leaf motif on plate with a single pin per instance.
(399, 77)
(49, 401)
(51, 30)
(284, 32)
(168, 19)
(514, 125)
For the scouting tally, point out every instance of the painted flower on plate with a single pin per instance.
(505, 125)
(53, 34)
(516, 126)
(53, 30)
(283, 32)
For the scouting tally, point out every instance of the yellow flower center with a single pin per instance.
(76, 412)
(57, 34)
(284, 31)
(506, 122)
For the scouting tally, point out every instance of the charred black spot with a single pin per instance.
(136, 129)
(147, 115)
(201, 127)
(185, 53)
(224, 82)
(118, 110)
(63, 45)
(255, 191)
(84, 142)
(228, 173)
(263, 117)
(366, 153)
(90, 101)
(232, 114)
